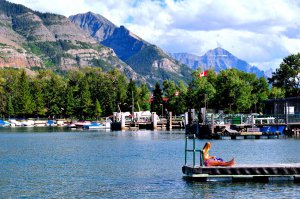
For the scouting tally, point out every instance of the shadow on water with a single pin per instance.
(222, 189)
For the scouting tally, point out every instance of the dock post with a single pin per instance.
(154, 120)
(185, 152)
(212, 124)
(194, 150)
(169, 122)
(186, 122)
(122, 121)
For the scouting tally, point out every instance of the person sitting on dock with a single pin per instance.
(213, 160)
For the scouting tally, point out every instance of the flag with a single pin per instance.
(203, 74)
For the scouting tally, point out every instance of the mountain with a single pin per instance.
(31, 39)
(145, 58)
(219, 59)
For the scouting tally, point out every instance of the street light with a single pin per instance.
(162, 109)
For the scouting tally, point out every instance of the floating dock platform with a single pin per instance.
(244, 173)
(237, 173)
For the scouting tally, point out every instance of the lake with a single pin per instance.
(63, 163)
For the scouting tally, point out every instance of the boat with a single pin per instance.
(96, 125)
(14, 122)
(266, 129)
(80, 124)
(51, 123)
(4, 123)
(215, 162)
(27, 123)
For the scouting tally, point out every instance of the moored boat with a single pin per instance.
(4, 123)
(96, 125)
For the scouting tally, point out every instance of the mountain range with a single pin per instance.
(144, 58)
(32, 40)
(218, 59)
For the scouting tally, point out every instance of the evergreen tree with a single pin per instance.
(54, 98)
(70, 103)
(86, 101)
(24, 101)
(10, 108)
(98, 110)
(157, 101)
(132, 96)
(39, 102)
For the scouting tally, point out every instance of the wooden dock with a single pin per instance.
(237, 173)
(241, 173)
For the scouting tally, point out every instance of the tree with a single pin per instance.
(201, 91)
(24, 100)
(276, 93)
(169, 89)
(55, 92)
(132, 96)
(180, 99)
(144, 97)
(98, 110)
(86, 101)
(260, 92)
(39, 102)
(157, 100)
(10, 108)
(287, 76)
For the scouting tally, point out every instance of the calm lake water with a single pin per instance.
(61, 163)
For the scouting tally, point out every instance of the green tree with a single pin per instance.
(98, 110)
(157, 100)
(180, 99)
(276, 93)
(70, 103)
(144, 97)
(86, 101)
(259, 93)
(287, 76)
(234, 92)
(24, 100)
(54, 96)
(201, 91)
(132, 96)
(39, 102)
(10, 107)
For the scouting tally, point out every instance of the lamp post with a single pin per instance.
(162, 109)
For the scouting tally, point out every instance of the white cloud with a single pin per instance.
(260, 32)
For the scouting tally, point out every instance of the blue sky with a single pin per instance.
(260, 32)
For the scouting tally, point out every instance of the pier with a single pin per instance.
(153, 122)
(237, 173)
(242, 126)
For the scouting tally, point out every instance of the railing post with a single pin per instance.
(185, 153)
(194, 150)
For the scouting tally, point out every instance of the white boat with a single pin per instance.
(96, 125)
(14, 122)
(27, 123)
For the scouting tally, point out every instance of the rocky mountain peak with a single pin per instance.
(218, 59)
(95, 25)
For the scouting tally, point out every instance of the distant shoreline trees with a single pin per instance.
(90, 93)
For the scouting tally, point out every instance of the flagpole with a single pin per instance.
(204, 108)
